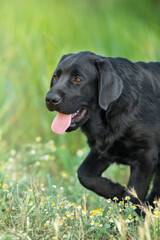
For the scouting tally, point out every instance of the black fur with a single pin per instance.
(122, 123)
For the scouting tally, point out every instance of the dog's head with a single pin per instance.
(80, 82)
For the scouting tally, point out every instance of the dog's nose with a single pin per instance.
(53, 99)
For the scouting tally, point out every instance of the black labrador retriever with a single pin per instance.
(117, 105)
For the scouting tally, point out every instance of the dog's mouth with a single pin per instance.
(77, 116)
(64, 121)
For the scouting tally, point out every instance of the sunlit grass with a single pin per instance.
(37, 205)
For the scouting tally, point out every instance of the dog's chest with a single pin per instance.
(122, 151)
(96, 136)
(116, 146)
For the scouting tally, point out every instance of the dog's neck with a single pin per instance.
(97, 129)
(103, 128)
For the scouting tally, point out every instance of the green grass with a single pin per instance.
(40, 200)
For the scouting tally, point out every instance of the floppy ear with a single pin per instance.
(110, 84)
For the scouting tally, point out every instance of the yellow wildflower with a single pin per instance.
(5, 188)
(64, 174)
(62, 203)
(47, 223)
(63, 147)
(79, 207)
(157, 213)
(84, 212)
(92, 222)
(61, 223)
(115, 199)
(30, 203)
(111, 220)
(127, 198)
(37, 163)
(38, 139)
(46, 157)
(68, 228)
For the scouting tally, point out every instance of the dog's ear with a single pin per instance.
(110, 84)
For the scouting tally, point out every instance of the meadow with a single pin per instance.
(39, 200)
(40, 196)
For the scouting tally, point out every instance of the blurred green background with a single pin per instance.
(34, 35)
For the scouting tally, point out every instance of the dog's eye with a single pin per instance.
(78, 80)
(56, 77)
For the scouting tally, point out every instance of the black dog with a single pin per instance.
(117, 105)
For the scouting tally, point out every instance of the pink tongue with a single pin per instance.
(61, 123)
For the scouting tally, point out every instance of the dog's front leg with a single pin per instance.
(90, 176)
(141, 174)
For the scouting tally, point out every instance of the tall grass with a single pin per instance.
(40, 201)
(34, 35)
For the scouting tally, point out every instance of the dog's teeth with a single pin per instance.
(78, 113)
